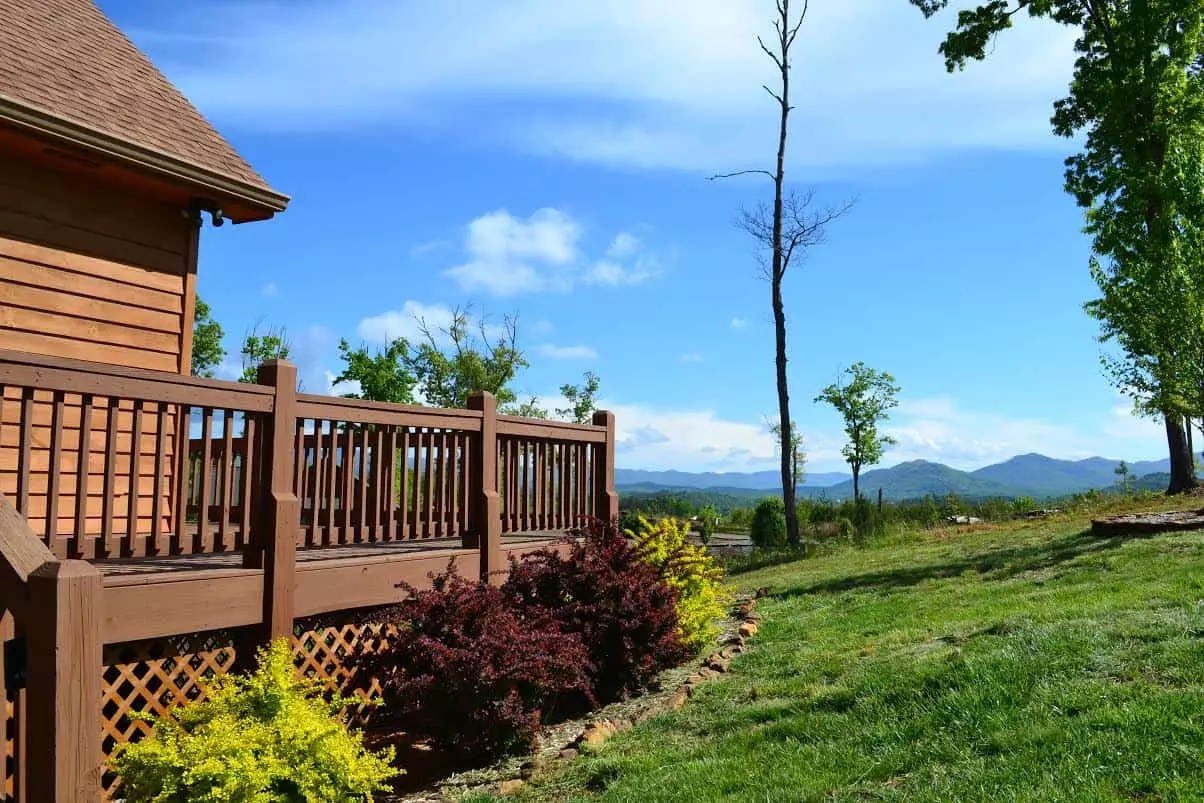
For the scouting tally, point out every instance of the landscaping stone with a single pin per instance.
(1146, 523)
(679, 700)
(748, 629)
(510, 787)
(569, 753)
(528, 769)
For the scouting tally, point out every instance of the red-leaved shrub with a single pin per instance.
(471, 669)
(618, 605)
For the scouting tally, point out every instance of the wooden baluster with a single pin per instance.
(465, 482)
(441, 495)
(361, 527)
(227, 483)
(160, 539)
(391, 511)
(79, 534)
(106, 546)
(415, 489)
(24, 463)
(250, 480)
(134, 546)
(184, 466)
(428, 486)
(203, 541)
(54, 482)
(301, 474)
(540, 483)
(348, 500)
(318, 516)
(379, 476)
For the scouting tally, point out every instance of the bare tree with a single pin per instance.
(785, 231)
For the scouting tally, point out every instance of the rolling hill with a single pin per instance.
(1032, 475)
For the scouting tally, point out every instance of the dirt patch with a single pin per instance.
(431, 778)
(1148, 523)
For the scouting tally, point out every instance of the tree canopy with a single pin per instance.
(207, 334)
(864, 401)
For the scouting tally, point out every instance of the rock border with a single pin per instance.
(1149, 523)
(598, 731)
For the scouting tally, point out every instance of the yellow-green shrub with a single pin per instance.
(690, 571)
(267, 737)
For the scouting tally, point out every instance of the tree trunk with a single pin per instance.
(1191, 449)
(856, 489)
(1183, 475)
(778, 271)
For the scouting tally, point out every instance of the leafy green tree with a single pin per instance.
(453, 362)
(207, 334)
(383, 376)
(707, 517)
(798, 457)
(528, 409)
(768, 527)
(260, 348)
(1136, 94)
(1126, 475)
(582, 399)
(864, 400)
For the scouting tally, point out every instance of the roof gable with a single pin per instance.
(67, 59)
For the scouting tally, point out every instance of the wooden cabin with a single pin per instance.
(105, 171)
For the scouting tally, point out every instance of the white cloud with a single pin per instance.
(691, 440)
(541, 327)
(691, 357)
(542, 76)
(625, 244)
(270, 290)
(609, 273)
(429, 247)
(508, 256)
(567, 352)
(738, 324)
(404, 322)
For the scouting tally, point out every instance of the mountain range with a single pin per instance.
(1032, 475)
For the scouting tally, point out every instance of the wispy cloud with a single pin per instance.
(692, 357)
(541, 76)
(738, 324)
(566, 352)
(545, 252)
(270, 290)
(431, 246)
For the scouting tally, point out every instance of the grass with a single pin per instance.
(1025, 662)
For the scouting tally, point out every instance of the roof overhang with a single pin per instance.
(239, 201)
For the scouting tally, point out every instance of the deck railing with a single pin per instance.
(100, 463)
(105, 462)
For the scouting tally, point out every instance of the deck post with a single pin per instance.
(484, 509)
(64, 666)
(278, 519)
(606, 499)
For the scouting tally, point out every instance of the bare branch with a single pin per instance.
(719, 176)
(773, 94)
(769, 53)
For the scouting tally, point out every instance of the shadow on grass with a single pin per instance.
(1003, 563)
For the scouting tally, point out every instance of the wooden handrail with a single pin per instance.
(99, 379)
(549, 430)
(358, 411)
(21, 554)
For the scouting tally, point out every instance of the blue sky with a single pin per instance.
(548, 159)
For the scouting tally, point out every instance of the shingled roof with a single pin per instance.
(65, 58)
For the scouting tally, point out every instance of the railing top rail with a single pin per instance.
(101, 379)
(21, 551)
(358, 411)
(542, 429)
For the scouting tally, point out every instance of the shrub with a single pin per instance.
(690, 571)
(265, 737)
(472, 670)
(768, 528)
(624, 614)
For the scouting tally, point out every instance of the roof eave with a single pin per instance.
(263, 200)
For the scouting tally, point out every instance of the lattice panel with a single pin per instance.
(324, 650)
(152, 677)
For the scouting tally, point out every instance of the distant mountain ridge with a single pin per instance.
(1032, 475)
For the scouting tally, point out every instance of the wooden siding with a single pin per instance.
(91, 273)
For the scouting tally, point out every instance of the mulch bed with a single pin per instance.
(1148, 523)
(431, 777)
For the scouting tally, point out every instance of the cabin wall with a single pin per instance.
(91, 273)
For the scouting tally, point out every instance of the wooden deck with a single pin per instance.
(149, 597)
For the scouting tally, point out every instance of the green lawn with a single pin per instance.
(1031, 662)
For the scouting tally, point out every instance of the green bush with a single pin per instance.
(264, 738)
(846, 529)
(768, 528)
(690, 571)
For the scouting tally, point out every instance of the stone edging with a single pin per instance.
(598, 731)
